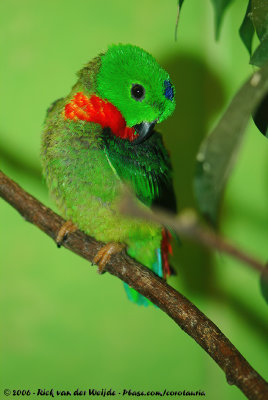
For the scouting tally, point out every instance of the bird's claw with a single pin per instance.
(67, 228)
(104, 255)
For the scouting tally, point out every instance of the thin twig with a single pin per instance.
(238, 371)
(187, 225)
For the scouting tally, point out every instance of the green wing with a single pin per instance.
(146, 167)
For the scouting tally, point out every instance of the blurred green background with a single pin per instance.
(63, 325)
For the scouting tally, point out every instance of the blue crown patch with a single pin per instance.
(169, 93)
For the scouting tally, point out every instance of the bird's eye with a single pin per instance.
(137, 92)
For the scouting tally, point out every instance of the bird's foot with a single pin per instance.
(104, 254)
(67, 228)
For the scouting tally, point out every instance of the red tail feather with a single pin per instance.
(166, 249)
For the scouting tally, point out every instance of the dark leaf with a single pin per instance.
(219, 9)
(180, 2)
(259, 14)
(218, 151)
(260, 55)
(246, 30)
(260, 117)
(264, 283)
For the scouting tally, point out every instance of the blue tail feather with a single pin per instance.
(136, 297)
(157, 266)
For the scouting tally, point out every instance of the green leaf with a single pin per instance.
(247, 30)
(219, 9)
(259, 13)
(260, 56)
(218, 152)
(264, 283)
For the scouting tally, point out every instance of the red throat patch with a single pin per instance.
(94, 109)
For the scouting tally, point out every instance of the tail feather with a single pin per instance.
(158, 265)
(161, 267)
(166, 249)
(136, 297)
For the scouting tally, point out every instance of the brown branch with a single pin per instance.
(182, 311)
(188, 225)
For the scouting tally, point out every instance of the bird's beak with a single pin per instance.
(144, 130)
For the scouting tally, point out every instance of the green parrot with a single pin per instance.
(99, 139)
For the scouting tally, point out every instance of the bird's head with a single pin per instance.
(131, 93)
(132, 80)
